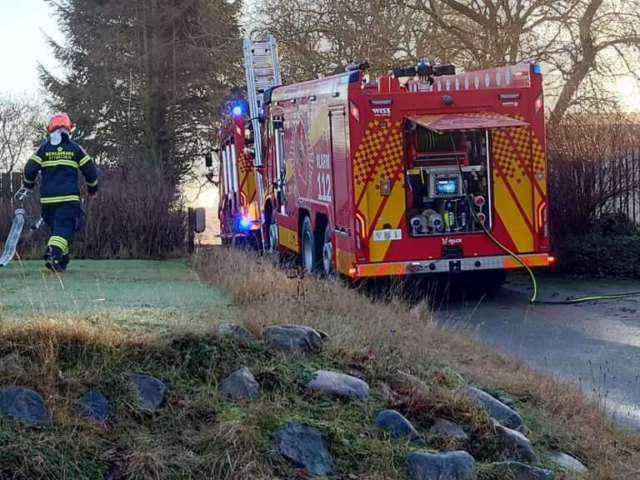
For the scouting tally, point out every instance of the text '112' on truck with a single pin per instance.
(420, 171)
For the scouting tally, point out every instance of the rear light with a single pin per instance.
(361, 231)
(352, 272)
(360, 226)
(543, 217)
(552, 259)
(355, 111)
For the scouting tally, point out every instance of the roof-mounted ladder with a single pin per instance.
(262, 69)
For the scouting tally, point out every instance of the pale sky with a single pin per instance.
(24, 24)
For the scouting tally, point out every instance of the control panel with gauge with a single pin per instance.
(448, 183)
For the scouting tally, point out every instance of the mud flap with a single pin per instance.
(14, 235)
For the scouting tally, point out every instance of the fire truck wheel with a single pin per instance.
(310, 257)
(327, 252)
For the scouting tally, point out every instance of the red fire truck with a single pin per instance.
(420, 171)
(238, 206)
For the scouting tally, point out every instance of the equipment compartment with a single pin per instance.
(448, 181)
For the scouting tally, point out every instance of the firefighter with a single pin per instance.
(59, 158)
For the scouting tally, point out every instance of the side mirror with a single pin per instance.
(199, 220)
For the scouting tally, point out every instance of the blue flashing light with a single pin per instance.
(237, 111)
(537, 69)
(245, 223)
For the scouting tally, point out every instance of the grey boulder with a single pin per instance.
(339, 385)
(567, 463)
(496, 409)
(519, 471)
(292, 338)
(445, 430)
(151, 391)
(394, 422)
(25, 405)
(441, 466)
(240, 385)
(236, 332)
(94, 406)
(515, 445)
(305, 447)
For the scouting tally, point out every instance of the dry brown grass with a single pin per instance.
(184, 440)
(387, 335)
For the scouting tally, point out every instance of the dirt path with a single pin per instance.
(131, 295)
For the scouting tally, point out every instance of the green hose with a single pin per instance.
(534, 298)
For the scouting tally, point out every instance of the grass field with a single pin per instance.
(134, 295)
(101, 321)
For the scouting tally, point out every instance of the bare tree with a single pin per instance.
(586, 44)
(322, 37)
(21, 128)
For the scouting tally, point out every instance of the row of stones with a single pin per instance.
(27, 406)
(306, 447)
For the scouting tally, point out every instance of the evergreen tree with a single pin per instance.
(145, 79)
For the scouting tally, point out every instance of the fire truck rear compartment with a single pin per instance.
(448, 182)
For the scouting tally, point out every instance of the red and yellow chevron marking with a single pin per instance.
(382, 270)
(541, 260)
(513, 185)
(247, 178)
(379, 157)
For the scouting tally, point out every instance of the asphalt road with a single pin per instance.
(596, 344)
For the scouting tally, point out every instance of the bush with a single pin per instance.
(617, 256)
(138, 214)
(594, 170)
(615, 225)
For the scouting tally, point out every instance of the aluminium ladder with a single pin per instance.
(262, 69)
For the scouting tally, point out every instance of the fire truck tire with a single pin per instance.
(309, 253)
(327, 252)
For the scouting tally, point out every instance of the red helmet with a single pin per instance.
(59, 120)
